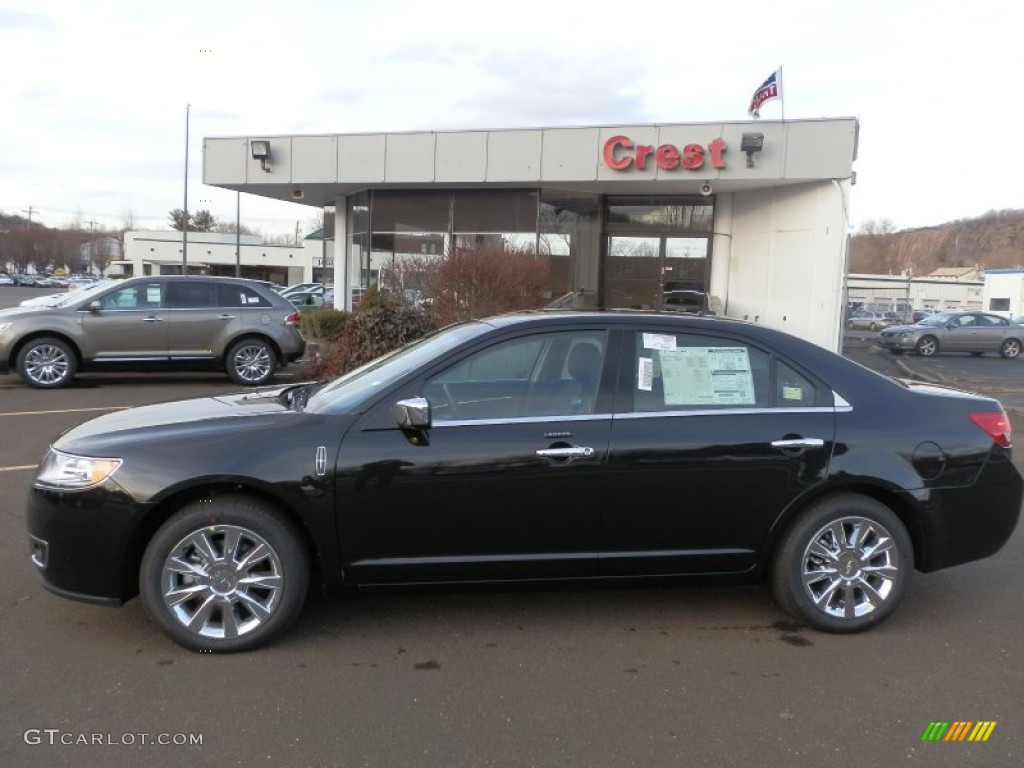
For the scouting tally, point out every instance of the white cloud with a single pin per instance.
(94, 94)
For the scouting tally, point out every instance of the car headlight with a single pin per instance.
(64, 470)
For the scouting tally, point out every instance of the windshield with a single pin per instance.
(345, 394)
(940, 319)
(82, 293)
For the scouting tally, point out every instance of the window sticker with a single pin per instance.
(659, 341)
(707, 376)
(792, 393)
(645, 376)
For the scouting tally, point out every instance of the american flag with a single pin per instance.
(770, 89)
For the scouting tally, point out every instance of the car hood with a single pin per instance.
(205, 416)
(12, 312)
(904, 328)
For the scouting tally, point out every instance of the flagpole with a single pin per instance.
(782, 95)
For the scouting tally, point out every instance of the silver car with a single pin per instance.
(863, 319)
(146, 323)
(974, 332)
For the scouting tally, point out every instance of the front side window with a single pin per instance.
(673, 372)
(542, 375)
(138, 296)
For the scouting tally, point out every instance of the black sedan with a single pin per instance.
(536, 446)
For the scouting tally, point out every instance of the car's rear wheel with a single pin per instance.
(224, 574)
(1010, 348)
(251, 362)
(47, 363)
(927, 346)
(843, 566)
(874, 326)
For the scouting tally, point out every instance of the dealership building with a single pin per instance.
(750, 216)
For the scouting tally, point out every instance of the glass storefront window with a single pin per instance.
(660, 214)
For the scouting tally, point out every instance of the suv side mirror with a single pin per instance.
(412, 413)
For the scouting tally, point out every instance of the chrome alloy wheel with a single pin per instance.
(850, 567)
(47, 364)
(222, 581)
(252, 362)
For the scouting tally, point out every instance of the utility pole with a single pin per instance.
(184, 226)
(29, 212)
(238, 233)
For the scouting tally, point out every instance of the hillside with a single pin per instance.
(992, 241)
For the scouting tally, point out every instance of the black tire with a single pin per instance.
(849, 324)
(47, 363)
(251, 361)
(1010, 348)
(227, 608)
(927, 346)
(846, 596)
(874, 326)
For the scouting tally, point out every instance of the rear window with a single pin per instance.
(240, 295)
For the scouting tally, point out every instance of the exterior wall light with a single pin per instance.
(261, 151)
(751, 143)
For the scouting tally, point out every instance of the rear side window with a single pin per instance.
(191, 295)
(240, 295)
(673, 372)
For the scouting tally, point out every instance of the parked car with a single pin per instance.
(7, 280)
(863, 319)
(299, 288)
(516, 448)
(145, 323)
(974, 332)
(921, 314)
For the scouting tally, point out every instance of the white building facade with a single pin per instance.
(752, 214)
(158, 252)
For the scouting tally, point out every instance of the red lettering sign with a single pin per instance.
(620, 154)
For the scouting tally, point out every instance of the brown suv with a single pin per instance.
(145, 323)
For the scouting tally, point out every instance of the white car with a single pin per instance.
(5, 280)
(44, 301)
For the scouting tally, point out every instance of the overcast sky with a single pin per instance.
(93, 94)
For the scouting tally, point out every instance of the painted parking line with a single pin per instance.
(18, 469)
(66, 410)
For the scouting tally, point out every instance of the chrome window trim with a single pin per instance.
(722, 412)
(524, 420)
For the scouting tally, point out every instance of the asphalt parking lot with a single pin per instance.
(647, 677)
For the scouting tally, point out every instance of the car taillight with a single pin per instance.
(996, 424)
(292, 319)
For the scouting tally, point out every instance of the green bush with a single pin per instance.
(373, 330)
(326, 324)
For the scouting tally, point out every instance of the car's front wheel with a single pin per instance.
(224, 574)
(1010, 348)
(927, 346)
(47, 363)
(251, 362)
(843, 565)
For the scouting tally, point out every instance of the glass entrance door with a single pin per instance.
(657, 272)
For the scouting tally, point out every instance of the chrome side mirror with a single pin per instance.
(412, 413)
(94, 306)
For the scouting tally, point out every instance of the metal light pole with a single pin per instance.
(184, 224)
(238, 233)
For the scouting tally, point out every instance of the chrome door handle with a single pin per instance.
(573, 452)
(152, 319)
(800, 442)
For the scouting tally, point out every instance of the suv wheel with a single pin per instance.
(844, 565)
(47, 363)
(224, 574)
(251, 362)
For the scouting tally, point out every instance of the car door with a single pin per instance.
(712, 439)
(198, 325)
(129, 325)
(507, 481)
